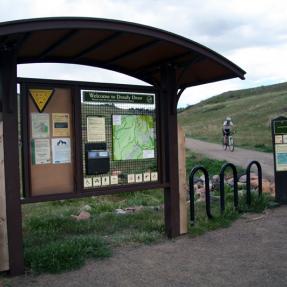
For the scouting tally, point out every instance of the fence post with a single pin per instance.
(235, 186)
(248, 185)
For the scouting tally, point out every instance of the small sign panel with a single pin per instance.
(61, 150)
(41, 97)
(154, 176)
(131, 178)
(278, 139)
(40, 125)
(88, 182)
(96, 130)
(119, 97)
(41, 153)
(114, 179)
(61, 124)
(139, 177)
(146, 176)
(281, 157)
(105, 180)
(97, 181)
(280, 127)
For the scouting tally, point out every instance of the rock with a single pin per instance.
(242, 178)
(230, 181)
(133, 209)
(84, 215)
(120, 211)
(267, 186)
(86, 208)
(254, 183)
(200, 194)
(215, 178)
(197, 180)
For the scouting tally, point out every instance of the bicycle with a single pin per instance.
(229, 143)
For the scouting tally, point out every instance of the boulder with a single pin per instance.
(84, 215)
(243, 178)
(200, 194)
(254, 183)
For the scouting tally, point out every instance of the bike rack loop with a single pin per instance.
(191, 192)
(248, 187)
(221, 186)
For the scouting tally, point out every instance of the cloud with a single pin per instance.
(253, 33)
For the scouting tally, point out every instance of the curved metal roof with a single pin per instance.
(132, 49)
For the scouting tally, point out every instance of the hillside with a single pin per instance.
(251, 111)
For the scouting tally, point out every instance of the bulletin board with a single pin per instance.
(82, 139)
(51, 156)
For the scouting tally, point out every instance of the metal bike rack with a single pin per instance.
(191, 192)
(248, 185)
(221, 186)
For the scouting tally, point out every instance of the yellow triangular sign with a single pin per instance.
(41, 97)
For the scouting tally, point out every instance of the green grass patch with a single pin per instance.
(54, 242)
(64, 254)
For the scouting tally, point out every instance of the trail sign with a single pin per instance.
(41, 98)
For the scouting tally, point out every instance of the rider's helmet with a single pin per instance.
(228, 119)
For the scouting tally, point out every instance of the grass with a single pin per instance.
(54, 242)
(251, 111)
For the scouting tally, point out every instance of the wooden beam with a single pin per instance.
(4, 255)
(8, 93)
(156, 65)
(58, 43)
(96, 46)
(133, 51)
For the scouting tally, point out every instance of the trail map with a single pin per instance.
(133, 137)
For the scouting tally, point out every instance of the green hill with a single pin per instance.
(251, 111)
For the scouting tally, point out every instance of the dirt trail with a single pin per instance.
(251, 253)
(241, 157)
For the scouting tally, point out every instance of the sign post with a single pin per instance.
(279, 140)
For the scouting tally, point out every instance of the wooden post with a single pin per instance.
(182, 181)
(4, 257)
(168, 121)
(8, 96)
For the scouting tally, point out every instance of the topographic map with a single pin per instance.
(133, 137)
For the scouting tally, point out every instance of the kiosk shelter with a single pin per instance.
(75, 133)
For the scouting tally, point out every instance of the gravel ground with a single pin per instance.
(252, 252)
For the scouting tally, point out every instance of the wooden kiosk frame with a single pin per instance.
(168, 62)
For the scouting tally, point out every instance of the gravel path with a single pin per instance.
(252, 252)
(241, 157)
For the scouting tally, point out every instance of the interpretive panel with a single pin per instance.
(119, 138)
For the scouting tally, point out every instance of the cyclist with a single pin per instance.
(226, 129)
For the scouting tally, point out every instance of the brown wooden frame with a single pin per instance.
(75, 86)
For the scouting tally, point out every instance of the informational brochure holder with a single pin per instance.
(279, 140)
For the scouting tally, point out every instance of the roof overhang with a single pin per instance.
(136, 50)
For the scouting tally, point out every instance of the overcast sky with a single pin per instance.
(251, 33)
